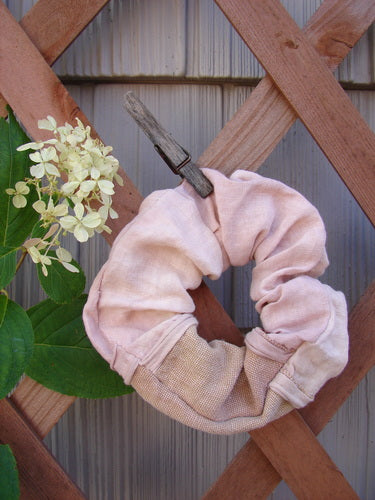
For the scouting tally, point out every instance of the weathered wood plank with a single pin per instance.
(42, 407)
(52, 26)
(249, 476)
(310, 473)
(266, 116)
(41, 477)
(311, 89)
(168, 148)
(316, 415)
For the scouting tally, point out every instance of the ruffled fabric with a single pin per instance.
(139, 308)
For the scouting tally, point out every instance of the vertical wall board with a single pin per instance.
(208, 56)
(243, 62)
(130, 38)
(359, 65)
(124, 449)
(19, 7)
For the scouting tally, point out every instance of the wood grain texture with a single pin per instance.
(177, 159)
(41, 477)
(52, 26)
(131, 38)
(310, 473)
(41, 406)
(262, 121)
(249, 476)
(178, 38)
(312, 91)
(317, 414)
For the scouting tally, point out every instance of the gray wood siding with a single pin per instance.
(180, 38)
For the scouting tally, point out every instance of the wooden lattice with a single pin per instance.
(299, 84)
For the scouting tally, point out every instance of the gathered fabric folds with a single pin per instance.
(140, 316)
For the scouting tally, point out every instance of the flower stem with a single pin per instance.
(22, 258)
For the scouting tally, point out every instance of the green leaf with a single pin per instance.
(16, 346)
(9, 482)
(15, 223)
(61, 285)
(8, 262)
(64, 359)
(3, 307)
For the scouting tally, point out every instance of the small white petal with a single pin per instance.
(92, 220)
(49, 154)
(60, 210)
(70, 267)
(87, 186)
(119, 179)
(48, 123)
(80, 233)
(69, 187)
(51, 169)
(36, 157)
(52, 230)
(103, 212)
(63, 254)
(95, 173)
(37, 170)
(30, 145)
(39, 206)
(79, 210)
(45, 260)
(106, 186)
(68, 222)
(31, 243)
(22, 187)
(10, 191)
(34, 254)
(113, 214)
(19, 201)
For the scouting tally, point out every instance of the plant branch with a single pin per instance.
(22, 258)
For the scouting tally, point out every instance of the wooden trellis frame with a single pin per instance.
(299, 84)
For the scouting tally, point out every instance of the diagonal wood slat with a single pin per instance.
(327, 112)
(308, 460)
(255, 483)
(41, 477)
(262, 121)
(53, 25)
(67, 100)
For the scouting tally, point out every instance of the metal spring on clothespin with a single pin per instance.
(175, 156)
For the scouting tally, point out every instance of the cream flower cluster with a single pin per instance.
(74, 177)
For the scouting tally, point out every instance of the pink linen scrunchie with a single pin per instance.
(139, 315)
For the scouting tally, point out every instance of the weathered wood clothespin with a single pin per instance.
(178, 160)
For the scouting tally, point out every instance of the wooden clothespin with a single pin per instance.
(178, 160)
